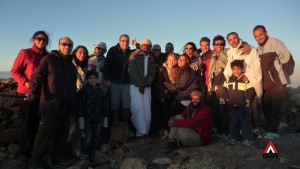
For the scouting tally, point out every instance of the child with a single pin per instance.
(239, 95)
(92, 105)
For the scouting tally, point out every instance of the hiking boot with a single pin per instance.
(271, 136)
(247, 143)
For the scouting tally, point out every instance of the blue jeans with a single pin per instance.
(89, 141)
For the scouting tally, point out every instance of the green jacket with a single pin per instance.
(136, 69)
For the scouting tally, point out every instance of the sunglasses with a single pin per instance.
(41, 39)
(189, 48)
(66, 44)
(156, 50)
(219, 44)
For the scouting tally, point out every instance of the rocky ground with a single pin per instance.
(155, 153)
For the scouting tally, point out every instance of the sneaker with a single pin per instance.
(233, 141)
(256, 133)
(271, 136)
(247, 143)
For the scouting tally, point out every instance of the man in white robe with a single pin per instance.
(142, 74)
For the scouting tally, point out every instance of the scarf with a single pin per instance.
(217, 64)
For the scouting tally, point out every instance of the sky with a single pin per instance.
(161, 21)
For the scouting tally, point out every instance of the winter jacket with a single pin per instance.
(186, 82)
(252, 66)
(92, 103)
(116, 65)
(202, 122)
(137, 69)
(56, 76)
(236, 92)
(277, 63)
(162, 77)
(25, 64)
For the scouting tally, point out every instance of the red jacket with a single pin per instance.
(202, 122)
(24, 66)
(205, 65)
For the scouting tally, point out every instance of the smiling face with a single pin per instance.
(182, 61)
(233, 40)
(124, 42)
(81, 54)
(40, 41)
(65, 46)
(260, 35)
(219, 46)
(189, 50)
(171, 61)
(204, 46)
(236, 71)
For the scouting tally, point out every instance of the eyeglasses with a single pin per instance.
(100, 48)
(66, 44)
(219, 44)
(41, 39)
(189, 48)
(156, 50)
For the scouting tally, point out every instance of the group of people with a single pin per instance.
(183, 97)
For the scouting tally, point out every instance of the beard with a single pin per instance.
(196, 104)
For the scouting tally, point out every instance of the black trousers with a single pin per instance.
(30, 123)
(53, 130)
(272, 107)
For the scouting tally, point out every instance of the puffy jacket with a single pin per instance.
(25, 64)
(56, 76)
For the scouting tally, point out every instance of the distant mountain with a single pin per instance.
(5, 75)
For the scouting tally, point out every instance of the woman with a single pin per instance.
(190, 49)
(80, 61)
(24, 65)
(186, 81)
(166, 74)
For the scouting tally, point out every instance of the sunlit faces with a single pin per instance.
(92, 80)
(124, 42)
(189, 50)
(81, 54)
(40, 41)
(259, 35)
(204, 45)
(233, 40)
(236, 71)
(171, 61)
(182, 61)
(146, 48)
(65, 46)
(219, 45)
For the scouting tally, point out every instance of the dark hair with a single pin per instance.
(219, 37)
(82, 64)
(232, 33)
(259, 27)
(205, 39)
(237, 63)
(192, 44)
(38, 33)
(124, 35)
(169, 43)
(90, 73)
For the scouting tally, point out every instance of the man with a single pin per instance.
(116, 75)
(251, 68)
(277, 66)
(205, 57)
(193, 127)
(56, 77)
(142, 73)
(216, 80)
(96, 61)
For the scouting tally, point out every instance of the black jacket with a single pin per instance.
(116, 65)
(56, 75)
